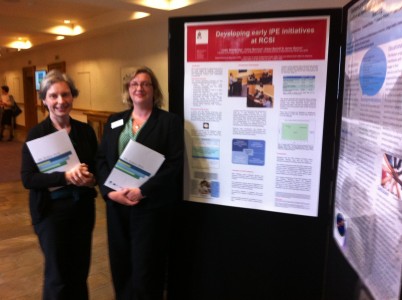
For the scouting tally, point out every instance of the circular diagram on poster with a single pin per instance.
(372, 71)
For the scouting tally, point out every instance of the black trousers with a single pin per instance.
(65, 237)
(138, 246)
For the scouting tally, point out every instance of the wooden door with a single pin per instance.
(30, 103)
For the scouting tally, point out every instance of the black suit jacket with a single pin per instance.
(85, 144)
(163, 132)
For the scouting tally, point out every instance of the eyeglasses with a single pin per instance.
(135, 85)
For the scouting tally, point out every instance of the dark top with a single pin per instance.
(163, 132)
(85, 144)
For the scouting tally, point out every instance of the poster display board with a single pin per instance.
(254, 100)
(258, 96)
(368, 201)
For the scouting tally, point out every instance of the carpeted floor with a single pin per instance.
(10, 158)
(10, 161)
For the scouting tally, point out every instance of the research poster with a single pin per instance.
(368, 201)
(254, 99)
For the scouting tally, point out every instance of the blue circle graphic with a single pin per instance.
(372, 71)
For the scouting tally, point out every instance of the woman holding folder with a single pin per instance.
(63, 218)
(138, 218)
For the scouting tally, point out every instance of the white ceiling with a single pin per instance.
(32, 19)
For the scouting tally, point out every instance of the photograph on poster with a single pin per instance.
(205, 185)
(391, 178)
(255, 84)
(260, 95)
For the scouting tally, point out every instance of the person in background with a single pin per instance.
(232, 82)
(7, 119)
(64, 218)
(138, 219)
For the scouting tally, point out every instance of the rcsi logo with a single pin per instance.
(201, 37)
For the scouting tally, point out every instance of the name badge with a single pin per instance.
(117, 123)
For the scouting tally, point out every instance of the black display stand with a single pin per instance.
(227, 253)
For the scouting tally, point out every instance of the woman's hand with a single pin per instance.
(127, 196)
(80, 176)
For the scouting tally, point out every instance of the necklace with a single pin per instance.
(139, 122)
(136, 125)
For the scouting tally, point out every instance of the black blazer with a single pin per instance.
(163, 132)
(85, 144)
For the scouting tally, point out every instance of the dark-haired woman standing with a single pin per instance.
(6, 120)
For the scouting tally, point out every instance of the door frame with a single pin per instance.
(30, 97)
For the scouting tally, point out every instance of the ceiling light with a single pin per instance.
(60, 37)
(77, 29)
(20, 44)
(166, 4)
(69, 29)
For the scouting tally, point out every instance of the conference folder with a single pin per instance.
(134, 167)
(53, 153)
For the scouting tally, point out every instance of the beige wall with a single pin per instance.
(96, 65)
